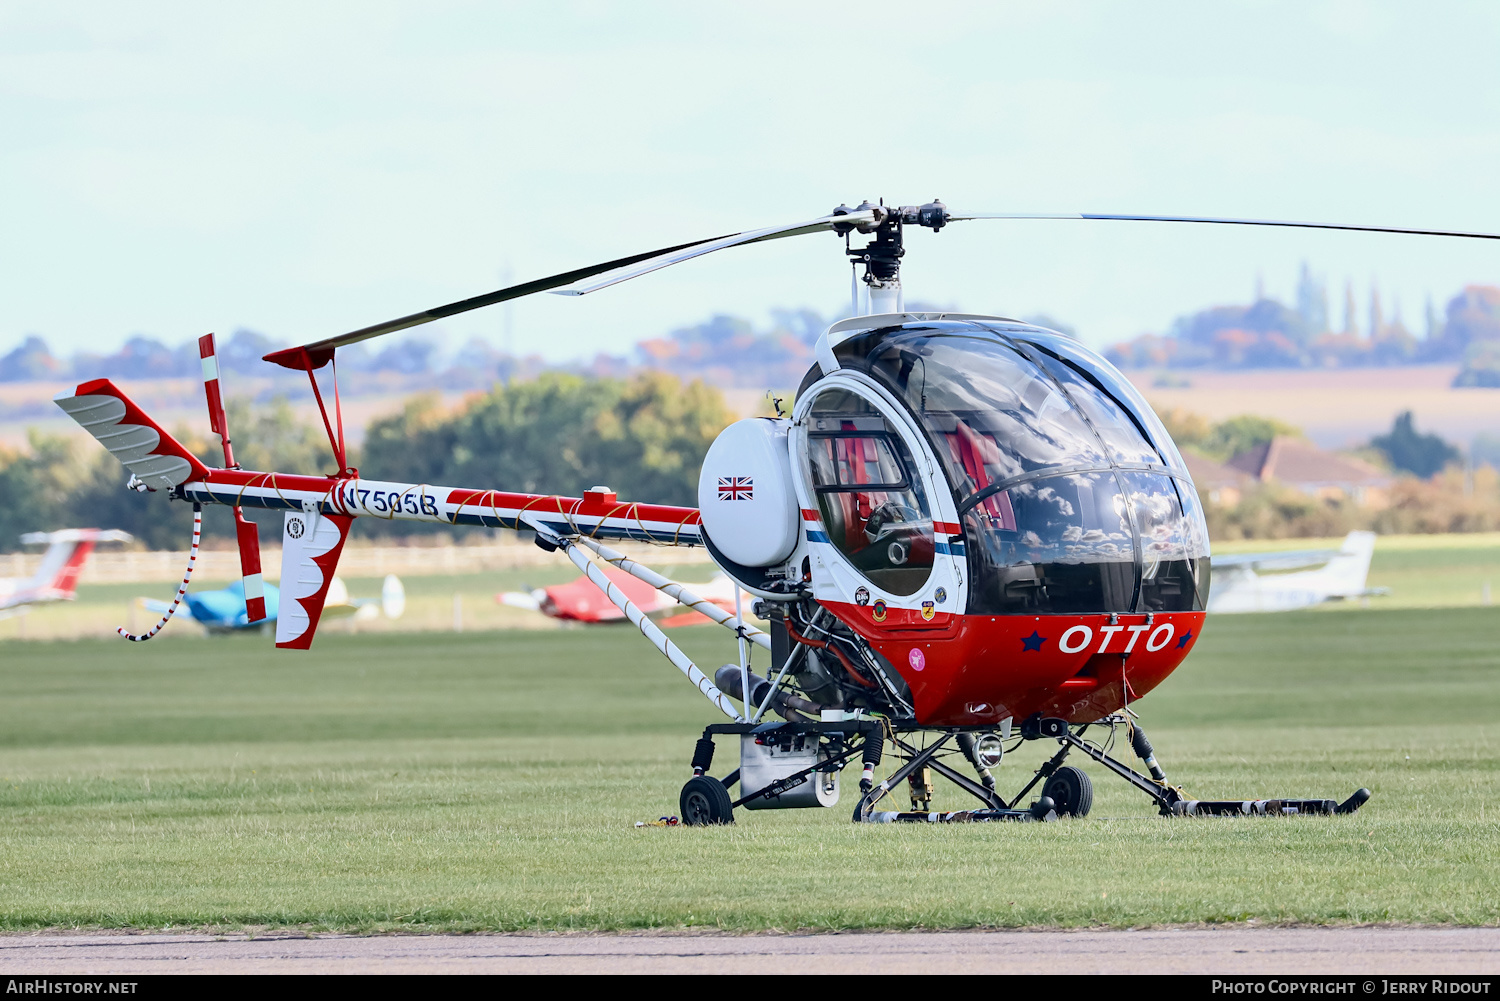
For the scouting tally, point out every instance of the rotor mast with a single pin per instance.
(882, 255)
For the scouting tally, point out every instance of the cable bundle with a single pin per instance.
(182, 590)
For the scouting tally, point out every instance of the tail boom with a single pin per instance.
(320, 509)
(597, 516)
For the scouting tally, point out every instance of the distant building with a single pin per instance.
(1306, 467)
(1220, 484)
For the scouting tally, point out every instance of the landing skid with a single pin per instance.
(707, 801)
(1169, 799)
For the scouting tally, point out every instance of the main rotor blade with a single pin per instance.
(956, 217)
(679, 254)
(318, 353)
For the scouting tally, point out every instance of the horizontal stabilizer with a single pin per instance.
(153, 456)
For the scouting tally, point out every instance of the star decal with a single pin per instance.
(1183, 640)
(1032, 642)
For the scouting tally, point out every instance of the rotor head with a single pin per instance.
(882, 255)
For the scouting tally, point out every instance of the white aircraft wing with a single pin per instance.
(1282, 561)
(1281, 581)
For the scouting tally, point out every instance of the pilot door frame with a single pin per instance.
(835, 579)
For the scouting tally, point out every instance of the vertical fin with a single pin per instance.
(66, 581)
(310, 548)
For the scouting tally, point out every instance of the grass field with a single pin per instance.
(492, 781)
(1422, 571)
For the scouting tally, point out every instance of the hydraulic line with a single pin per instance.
(187, 575)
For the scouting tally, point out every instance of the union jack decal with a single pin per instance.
(733, 488)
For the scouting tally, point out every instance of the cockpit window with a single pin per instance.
(872, 505)
(1063, 476)
(992, 413)
(1174, 563)
(1110, 391)
(1065, 546)
(1125, 439)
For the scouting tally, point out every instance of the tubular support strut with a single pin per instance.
(1166, 797)
(638, 619)
(863, 811)
(968, 785)
(682, 595)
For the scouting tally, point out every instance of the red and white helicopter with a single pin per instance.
(968, 530)
(62, 564)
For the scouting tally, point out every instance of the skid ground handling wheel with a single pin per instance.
(1072, 790)
(796, 764)
(704, 800)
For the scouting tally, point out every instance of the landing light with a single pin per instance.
(989, 750)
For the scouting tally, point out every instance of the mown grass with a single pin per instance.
(492, 781)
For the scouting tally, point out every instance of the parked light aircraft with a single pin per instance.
(225, 611)
(581, 601)
(57, 578)
(1281, 581)
(965, 522)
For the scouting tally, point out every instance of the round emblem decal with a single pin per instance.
(879, 609)
(295, 528)
(928, 611)
(916, 659)
(862, 596)
(941, 595)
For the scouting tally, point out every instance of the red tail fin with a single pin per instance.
(66, 580)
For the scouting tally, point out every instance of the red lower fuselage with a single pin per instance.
(971, 670)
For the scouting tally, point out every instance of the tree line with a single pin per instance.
(645, 437)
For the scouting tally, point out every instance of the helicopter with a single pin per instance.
(967, 533)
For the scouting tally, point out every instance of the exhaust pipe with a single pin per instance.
(727, 679)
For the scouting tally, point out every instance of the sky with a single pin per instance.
(304, 169)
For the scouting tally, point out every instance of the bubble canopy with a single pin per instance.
(1072, 497)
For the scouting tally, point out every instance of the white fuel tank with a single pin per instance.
(745, 493)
